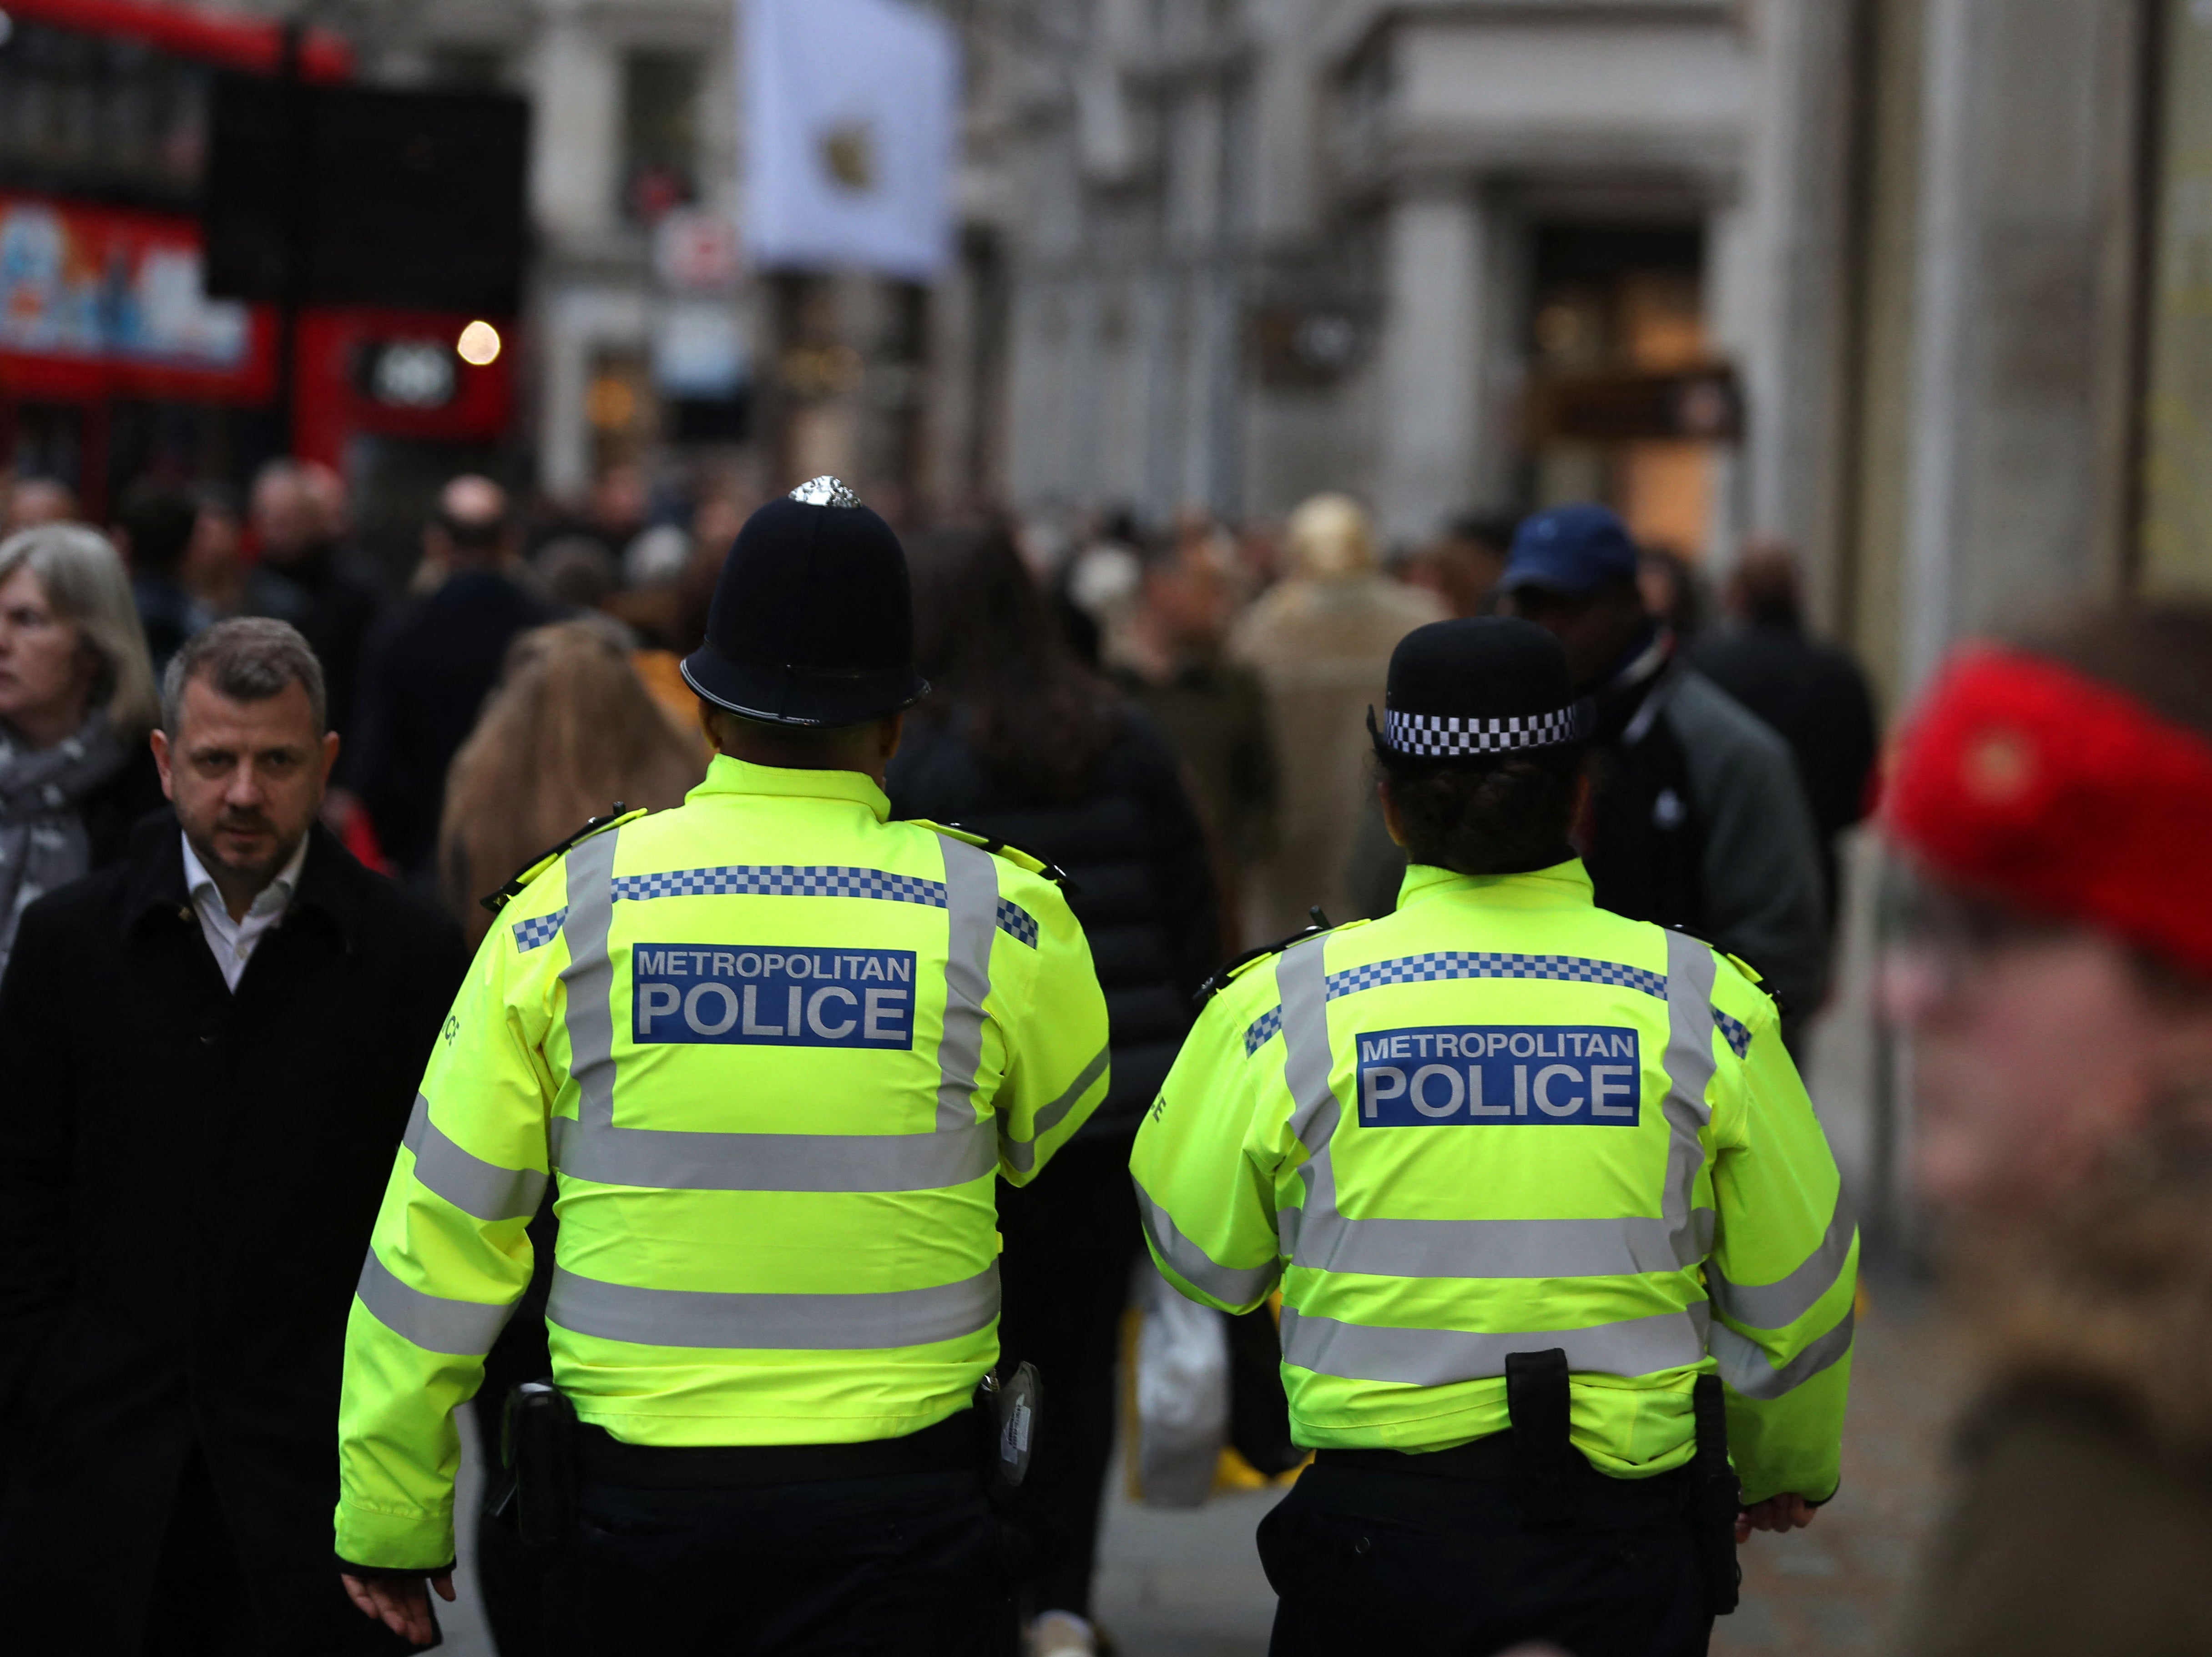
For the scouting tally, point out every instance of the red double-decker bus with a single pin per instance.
(113, 359)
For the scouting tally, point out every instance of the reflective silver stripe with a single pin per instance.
(1021, 1154)
(1302, 980)
(674, 1161)
(467, 1181)
(695, 1318)
(589, 976)
(1302, 977)
(1777, 1305)
(971, 911)
(1689, 1061)
(1499, 1249)
(1745, 1368)
(1237, 1285)
(464, 1328)
(1438, 1358)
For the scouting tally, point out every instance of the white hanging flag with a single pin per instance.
(850, 108)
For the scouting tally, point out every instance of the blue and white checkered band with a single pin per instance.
(1443, 736)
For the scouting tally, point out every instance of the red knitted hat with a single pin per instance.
(2027, 780)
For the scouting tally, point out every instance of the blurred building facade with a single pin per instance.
(1918, 285)
(1262, 248)
(1921, 286)
(640, 330)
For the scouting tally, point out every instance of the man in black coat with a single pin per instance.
(212, 1050)
(1814, 695)
(431, 665)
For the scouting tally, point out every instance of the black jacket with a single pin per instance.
(187, 1181)
(1140, 881)
(430, 666)
(1816, 700)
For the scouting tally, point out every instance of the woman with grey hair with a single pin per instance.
(76, 700)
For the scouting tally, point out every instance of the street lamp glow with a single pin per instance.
(478, 345)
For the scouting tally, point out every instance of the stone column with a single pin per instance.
(2024, 312)
(1431, 355)
(1786, 320)
(576, 85)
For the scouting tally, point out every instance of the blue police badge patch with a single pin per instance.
(751, 995)
(1501, 1073)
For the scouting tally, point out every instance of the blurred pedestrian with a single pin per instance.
(2055, 972)
(575, 571)
(1021, 741)
(568, 731)
(214, 570)
(153, 527)
(76, 700)
(1172, 660)
(777, 1288)
(1695, 816)
(430, 667)
(615, 508)
(1462, 565)
(1321, 641)
(1673, 592)
(1814, 695)
(35, 501)
(212, 1048)
(1525, 1345)
(307, 575)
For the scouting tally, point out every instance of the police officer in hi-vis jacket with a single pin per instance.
(1556, 1231)
(773, 1049)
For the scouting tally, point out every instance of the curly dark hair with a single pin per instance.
(1500, 816)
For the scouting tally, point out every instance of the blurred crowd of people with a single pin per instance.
(1250, 652)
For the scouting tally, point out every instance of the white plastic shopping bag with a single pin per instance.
(1183, 1395)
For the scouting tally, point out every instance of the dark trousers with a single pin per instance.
(202, 1606)
(1422, 1566)
(1071, 1238)
(910, 1563)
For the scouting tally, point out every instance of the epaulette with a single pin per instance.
(537, 865)
(1757, 979)
(1228, 975)
(999, 848)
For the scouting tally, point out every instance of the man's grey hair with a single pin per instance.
(249, 660)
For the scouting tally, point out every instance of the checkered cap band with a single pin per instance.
(789, 881)
(1448, 735)
(1445, 964)
(539, 930)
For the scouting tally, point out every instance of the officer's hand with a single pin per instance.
(1776, 1513)
(400, 1603)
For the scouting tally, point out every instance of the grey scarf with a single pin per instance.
(43, 844)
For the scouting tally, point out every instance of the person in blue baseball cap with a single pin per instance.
(1696, 818)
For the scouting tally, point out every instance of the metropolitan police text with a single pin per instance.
(774, 997)
(1525, 1073)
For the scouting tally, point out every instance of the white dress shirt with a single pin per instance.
(231, 941)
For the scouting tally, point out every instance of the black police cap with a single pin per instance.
(813, 623)
(1475, 688)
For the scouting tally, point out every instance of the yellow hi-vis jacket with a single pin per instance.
(774, 1047)
(1503, 1120)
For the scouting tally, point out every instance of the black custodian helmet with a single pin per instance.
(812, 621)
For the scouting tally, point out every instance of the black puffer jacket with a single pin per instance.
(1141, 884)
